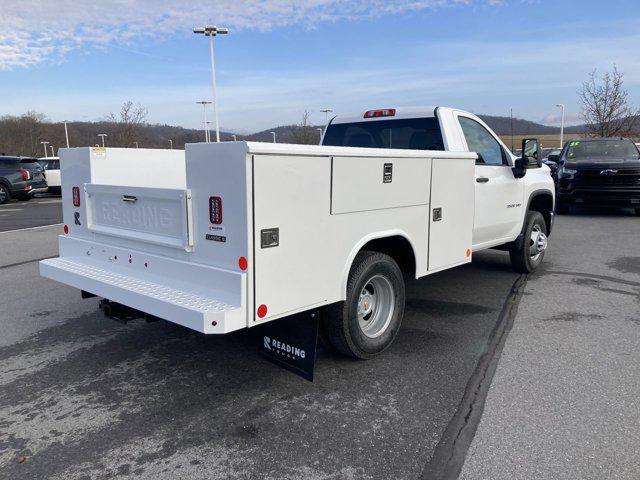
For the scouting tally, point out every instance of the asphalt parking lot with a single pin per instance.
(42, 210)
(86, 397)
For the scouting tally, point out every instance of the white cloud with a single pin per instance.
(570, 118)
(33, 31)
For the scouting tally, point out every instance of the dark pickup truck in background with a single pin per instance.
(20, 178)
(598, 171)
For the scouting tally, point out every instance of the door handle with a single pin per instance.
(129, 198)
(482, 179)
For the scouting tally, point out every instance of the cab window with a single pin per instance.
(479, 140)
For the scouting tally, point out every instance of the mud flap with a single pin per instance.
(291, 343)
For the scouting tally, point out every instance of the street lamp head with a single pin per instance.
(198, 30)
(559, 104)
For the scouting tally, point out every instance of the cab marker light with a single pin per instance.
(385, 112)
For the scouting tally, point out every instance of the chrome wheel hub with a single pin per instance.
(376, 305)
(537, 242)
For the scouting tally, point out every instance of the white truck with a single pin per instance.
(226, 236)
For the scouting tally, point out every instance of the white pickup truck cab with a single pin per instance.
(225, 236)
(503, 197)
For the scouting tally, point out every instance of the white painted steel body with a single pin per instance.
(327, 202)
(145, 236)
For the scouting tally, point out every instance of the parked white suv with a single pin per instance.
(51, 166)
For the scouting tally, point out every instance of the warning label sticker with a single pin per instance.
(98, 152)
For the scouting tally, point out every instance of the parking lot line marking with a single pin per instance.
(17, 264)
(12, 210)
(32, 228)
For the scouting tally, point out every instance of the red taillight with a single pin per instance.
(66, 229)
(215, 210)
(385, 112)
(76, 196)
(25, 174)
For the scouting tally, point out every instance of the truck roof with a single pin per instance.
(400, 112)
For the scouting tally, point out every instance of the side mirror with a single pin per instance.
(519, 167)
(531, 151)
(554, 158)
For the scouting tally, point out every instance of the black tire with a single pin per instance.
(341, 324)
(522, 259)
(637, 212)
(5, 195)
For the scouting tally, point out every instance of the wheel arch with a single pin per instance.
(542, 201)
(396, 244)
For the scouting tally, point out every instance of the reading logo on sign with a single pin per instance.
(284, 349)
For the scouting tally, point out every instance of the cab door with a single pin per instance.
(498, 194)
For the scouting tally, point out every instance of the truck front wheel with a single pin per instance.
(368, 321)
(526, 257)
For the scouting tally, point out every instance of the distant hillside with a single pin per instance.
(23, 135)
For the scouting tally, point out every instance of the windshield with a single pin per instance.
(578, 150)
(408, 133)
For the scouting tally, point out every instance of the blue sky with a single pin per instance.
(77, 60)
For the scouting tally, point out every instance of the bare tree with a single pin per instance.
(605, 105)
(304, 133)
(128, 125)
(21, 135)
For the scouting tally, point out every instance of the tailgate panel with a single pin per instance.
(161, 216)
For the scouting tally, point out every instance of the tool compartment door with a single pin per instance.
(451, 212)
(291, 211)
(161, 216)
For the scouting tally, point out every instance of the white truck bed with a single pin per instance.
(147, 233)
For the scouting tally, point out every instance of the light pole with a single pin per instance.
(52, 151)
(204, 104)
(44, 144)
(102, 135)
(274, 136)
(171, 144)
(326, 112)
(320, 132)
(136, 144)
(211, 31)
(511, 130)
(235, 139)
(561, 105)
(66, 133)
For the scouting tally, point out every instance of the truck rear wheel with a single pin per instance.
(527, 257)
(368, 321)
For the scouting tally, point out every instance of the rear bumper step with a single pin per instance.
(198, 312)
